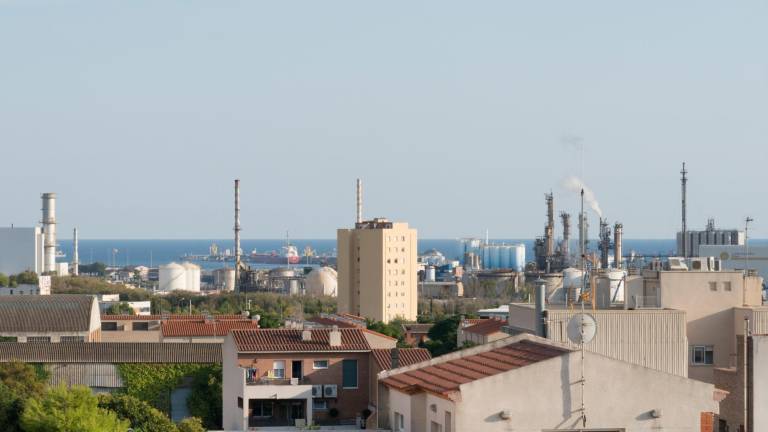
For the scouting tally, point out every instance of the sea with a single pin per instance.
(156, 252)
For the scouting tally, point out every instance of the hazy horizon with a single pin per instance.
(458, 117)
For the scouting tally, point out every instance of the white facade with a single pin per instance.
(21, 249)
(759, 383)
(24, 289)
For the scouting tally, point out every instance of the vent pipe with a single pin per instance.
(237, 235)
(49, 232)
(618, 238)
(75, 254)
(359, 216)
(541, 307)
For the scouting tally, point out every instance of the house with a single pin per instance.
(415, 334)
(527, 383)
(49, 318)
(202, 330)
(172, 328)
(485, 331)
(287, 377)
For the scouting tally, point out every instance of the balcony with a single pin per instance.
(274, 381)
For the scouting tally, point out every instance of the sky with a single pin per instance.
(458, 116)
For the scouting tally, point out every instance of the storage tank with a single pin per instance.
(616, 278)
(505, 260)
(486, 257)
(322, 281)
(518, 257)
(495, 252)
(192, 275)
(172, 277)
(573, 282)
(429, 274)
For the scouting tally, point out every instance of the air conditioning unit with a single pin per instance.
(330, 391)
(699, 264)
(317, 391)
(717, 265)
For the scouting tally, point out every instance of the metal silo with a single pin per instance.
(495, 252)
(192, 275)
(486, 257)
(172, 277)
(505, 253)
(518, 257)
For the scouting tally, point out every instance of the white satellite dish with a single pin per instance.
(582, 328)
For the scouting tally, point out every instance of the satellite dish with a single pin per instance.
(582, 328)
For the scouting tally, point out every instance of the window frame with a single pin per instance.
(275, 369)
(316, 408)
(357, 374)
(315, 367)
(703, 350)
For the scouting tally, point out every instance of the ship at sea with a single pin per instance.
(288, 255)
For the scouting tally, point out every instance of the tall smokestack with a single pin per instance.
(565, 248)
(359, 218)
(49, 232)
(618, 238)
(605, 242)
(582, 235)
(684, 232)
(549, 230)
(237, 235)
(75, 254)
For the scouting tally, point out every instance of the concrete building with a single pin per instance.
(735, 257)
(441, 289)
(21, 249)
(525, 383)
(143, 307)
(50, 318)
(43, 287)
(287, 377)
(709, 236)
(377, 269)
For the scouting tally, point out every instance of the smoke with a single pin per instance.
(574, 184)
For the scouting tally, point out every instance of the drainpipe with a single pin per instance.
(541, 308)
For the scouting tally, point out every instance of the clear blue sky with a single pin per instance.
(139, 114)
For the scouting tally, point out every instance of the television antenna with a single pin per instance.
(581, 329)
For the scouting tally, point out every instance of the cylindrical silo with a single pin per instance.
(486, 257)
(192, 276)
(49, 232)
(429, 274)
(518, 257)
(494, 256)
(505, 260)
(172, 277)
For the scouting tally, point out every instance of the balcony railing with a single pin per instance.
(274, 381)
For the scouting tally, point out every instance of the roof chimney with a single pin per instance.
(334, 337)
(395, 353)
(306, 335)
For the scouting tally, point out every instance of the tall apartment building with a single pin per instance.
(377, 270)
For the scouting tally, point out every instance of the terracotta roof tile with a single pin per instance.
(107, 317)
(111, 352)
(289, 340)
(444, 378)
(407, 356)
(485, 327)
(332, 322)
(188, 328)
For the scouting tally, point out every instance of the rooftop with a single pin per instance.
(444, 375)
(190, 328)
(111, 352)
(485, 327)
(406, 357)
(107, 317)
(290, 340)
(50, 313)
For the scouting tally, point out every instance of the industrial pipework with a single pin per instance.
(49, 232)
(237, 235)
(618, 239)
(541, 307)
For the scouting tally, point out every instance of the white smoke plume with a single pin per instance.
(574, 184)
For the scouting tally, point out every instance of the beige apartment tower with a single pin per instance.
(378, 270)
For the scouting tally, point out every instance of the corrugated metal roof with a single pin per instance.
(110, 352)
(446, 377)
(289, 340)
(407, 356)
(48, 313)
(184, 328)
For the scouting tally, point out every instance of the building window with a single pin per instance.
(72, 339)
(435, 427)
(349, 374)
(278, 369)
(713, 286)
(140, 326)
(260, 408)
(109, 326)
(702, 355)
(399, 422)
(320, 364)
(448, 422)
(727, 286)
(319, 404)
(239, 402)
(39, 339)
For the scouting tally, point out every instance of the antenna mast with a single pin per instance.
(237, 235)
(684, 233)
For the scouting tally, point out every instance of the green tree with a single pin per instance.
(11, 405)
(4, 281)
(26, 277)
(142, 416)
(204, 400)
(69, 410)
(23, 379)
(191, 424)
(121, 308)
(442, 336)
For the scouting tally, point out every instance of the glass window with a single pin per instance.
(320, 364)
(319, 404)
(702, 355)
(109, 326)
(399, 422)
(727, 286)
(72, 339)
(239, 402)
(435, 427)
(260, 408)
(39, 339)
(448, 421)
(349, 371)
(140, 326)
(278, 369)
(713, 286)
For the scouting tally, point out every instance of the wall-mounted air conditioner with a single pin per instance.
(330, 390)
(317, 391)
(699, 264)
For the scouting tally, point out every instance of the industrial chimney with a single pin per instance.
(549, 230)
(49, 232)
(618, 234)
(237, 235)
(565, 248)
(75, 254)
(605, 243)
(359, 218)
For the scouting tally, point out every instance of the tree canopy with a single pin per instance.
(69, 410)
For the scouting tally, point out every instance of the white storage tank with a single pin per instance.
(573, 282)
(518, 258)
(192, 274)
(429, 274)
(172, 277)
(224, 279)
(322, 281)
(616, 278)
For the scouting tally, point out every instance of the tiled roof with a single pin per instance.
(407, 356)
(473, 321)
(418, 328)
(189, 328)
(107, 317)
(46, 313)
(111, 352)
(485, 327)
(289, 340)
(443, 378)
(332, 322)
